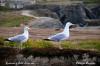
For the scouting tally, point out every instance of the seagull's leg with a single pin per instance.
(60, 46)
(17, 45)
(21, 46)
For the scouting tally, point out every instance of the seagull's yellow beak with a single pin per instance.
(73, 26)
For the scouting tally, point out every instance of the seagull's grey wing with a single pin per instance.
(57, 37)
(17, 38)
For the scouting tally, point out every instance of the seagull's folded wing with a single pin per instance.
(17, 38)
(57, 37)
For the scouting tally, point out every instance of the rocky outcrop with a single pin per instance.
(72, 13)
(96, 11)
(75, 13)
(46, 22)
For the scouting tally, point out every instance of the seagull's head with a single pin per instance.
(26, 28)
(72, 25)
(69, 24)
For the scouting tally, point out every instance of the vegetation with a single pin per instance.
(12, 19)
(29, 44)
(38, 44)
(85, 44)
(82, 44)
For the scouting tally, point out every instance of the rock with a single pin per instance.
(46, 22)
(45, 12)
(75, 13)
(96, 11)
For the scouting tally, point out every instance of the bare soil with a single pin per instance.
(36, 33)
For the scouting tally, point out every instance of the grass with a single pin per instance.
(29, 44)
(93, 45)
(12, 19)
(38, 44)
(82, 44)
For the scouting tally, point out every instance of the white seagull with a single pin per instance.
(63, 35)
(21, 38)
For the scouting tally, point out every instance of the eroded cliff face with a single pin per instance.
(47, 57)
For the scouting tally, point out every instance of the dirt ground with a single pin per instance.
(36, 33)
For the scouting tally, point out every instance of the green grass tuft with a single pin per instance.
(38, 44)
(82, 44)
(90, 44)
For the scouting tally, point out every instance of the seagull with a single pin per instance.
(63, 35)
(21, 38)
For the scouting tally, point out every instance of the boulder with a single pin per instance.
(46, 22)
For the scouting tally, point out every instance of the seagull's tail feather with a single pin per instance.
(6, 40)
(47, 39)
